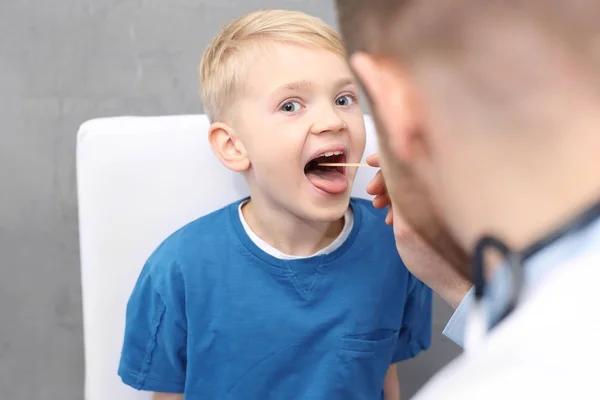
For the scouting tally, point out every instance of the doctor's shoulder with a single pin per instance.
(548, 348)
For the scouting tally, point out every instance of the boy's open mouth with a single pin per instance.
(332, 180)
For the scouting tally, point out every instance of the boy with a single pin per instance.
(279, 296)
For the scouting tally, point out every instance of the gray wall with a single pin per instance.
(62, 62)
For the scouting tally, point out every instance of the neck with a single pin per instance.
(560, 182)
(288, 233)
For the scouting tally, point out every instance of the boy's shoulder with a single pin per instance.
(198, 238)
(372, 218)
(373, 231)
(367, 206)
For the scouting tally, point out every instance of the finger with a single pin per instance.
(389, 218)
(381, 201)
(373, 160)
(377, 185)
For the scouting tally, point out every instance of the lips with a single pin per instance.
(335, 156)
(330, 180)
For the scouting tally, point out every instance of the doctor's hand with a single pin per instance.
(427, 265)
(378, 189)
(420, 258)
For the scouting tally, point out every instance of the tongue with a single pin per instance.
(330, 181)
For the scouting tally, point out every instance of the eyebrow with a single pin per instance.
(296, 86)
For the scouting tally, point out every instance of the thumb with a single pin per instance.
(373, 160)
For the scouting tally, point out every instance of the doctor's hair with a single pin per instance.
(409, 28)
(228, 56)
(499, 49)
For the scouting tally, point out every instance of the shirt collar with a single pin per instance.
(568, 247)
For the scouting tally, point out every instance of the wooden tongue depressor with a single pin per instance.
(343, 165)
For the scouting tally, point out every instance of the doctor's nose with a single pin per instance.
(328, 121)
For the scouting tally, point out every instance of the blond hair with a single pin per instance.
(226, 58)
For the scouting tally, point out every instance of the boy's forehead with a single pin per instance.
(295, 67)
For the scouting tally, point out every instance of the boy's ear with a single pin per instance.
(227, 147)
(392, 103)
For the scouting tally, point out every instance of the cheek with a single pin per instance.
(453, 176)
(358, 135)
(276, 158)
(391, 173)
(264, 143)
(403, 185)
(360, 141)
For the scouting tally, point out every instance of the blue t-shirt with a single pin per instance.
(215, 317)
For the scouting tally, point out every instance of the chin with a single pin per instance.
(329, 211)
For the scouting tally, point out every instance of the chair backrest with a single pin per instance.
(139, 179)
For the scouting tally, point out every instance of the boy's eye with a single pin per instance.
(291, 106)
(345, 100)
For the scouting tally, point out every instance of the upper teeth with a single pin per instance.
(331, 153)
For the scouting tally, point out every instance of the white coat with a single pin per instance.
(549, 347)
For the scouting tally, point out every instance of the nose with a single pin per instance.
(328, 121)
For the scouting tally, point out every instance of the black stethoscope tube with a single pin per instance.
(516, 259)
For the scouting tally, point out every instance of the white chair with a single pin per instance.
(139, 179)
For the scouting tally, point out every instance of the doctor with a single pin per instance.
(488, 115)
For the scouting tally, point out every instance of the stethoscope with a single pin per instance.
(478, 324)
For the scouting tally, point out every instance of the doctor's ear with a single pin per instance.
(227, 147)
(392, 102)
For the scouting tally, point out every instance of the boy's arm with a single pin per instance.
(391, 385)
(153, 357)
(167, 396)
(415, 333)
